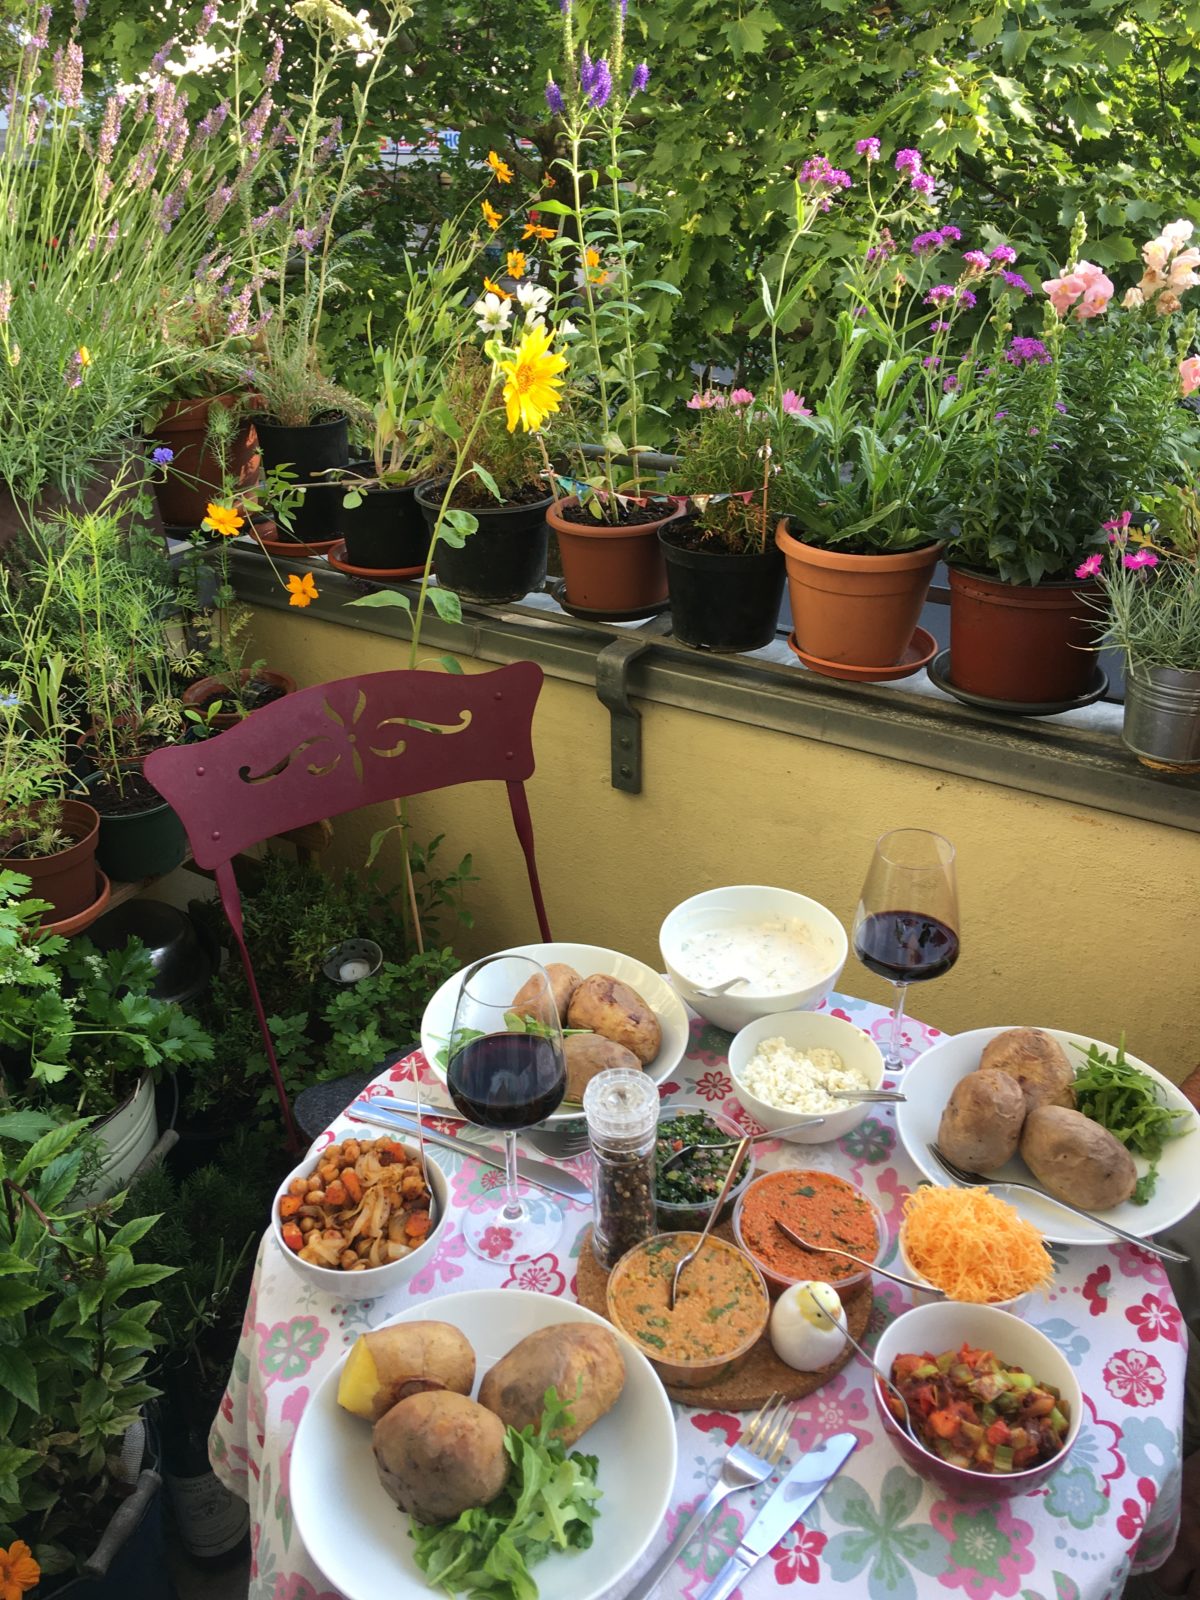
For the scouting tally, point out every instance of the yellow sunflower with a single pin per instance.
(501, 168)
(490, 215)
(302, 590)
(515, 262)
(534, 386)
(224, 520)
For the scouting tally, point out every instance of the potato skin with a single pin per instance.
(564, 981)
(1038, 1063)
(381, 1365)
(587, 1054)
(440, 1453)
(561, 1355)
(981, 1125)
(615, 1011)
(1076, 1159)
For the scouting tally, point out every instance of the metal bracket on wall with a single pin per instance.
(612, 689)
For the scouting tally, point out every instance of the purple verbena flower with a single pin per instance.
(967, 299)
(923, 183)
(1023, 349)
(998, 416)
(939, 327)
(859, 311)
(908, 161)
(817, 171)
(949, 384)
(878, 254)
(162, 456)
(940, 294)
(1014, 280)
(1004, 255)
(1060, 408)
(976, 260)
(926, 243)
(932, 361)
(868, 147)
(1033, 432)
(641, 77)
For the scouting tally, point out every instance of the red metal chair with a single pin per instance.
(337, 746)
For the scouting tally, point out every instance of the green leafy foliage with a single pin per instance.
(1121, 1098)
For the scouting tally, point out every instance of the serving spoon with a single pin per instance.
(681, 1156)
(835, 1250)
(907, 1424)
(734, 1168)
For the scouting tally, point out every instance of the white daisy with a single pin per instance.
(492, 313)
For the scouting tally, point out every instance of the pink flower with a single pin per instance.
(923, 183)
(741, 397)
(793, 403)
(1154, 1318)
(1140, 558)
(799, 1560)
(706, 401)
(1097, 1287)
(495, 1241)
(1117, 526)
(976, 260)
(1189, 375)
(1135, 1377)
(908, 161)
(1090, 567)
(1004, 255)
(539, 1276)
(1086, 288)
(868, 147)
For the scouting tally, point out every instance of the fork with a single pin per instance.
(749, 1462)
(971, 1179)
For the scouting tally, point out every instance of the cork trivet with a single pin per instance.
(763, 1374)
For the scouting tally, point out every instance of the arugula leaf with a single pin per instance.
(1127, 1102)
(549, 1503)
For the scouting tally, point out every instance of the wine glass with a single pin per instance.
(506, 1069)
(906, 926)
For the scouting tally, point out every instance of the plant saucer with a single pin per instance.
(637, 614)
(335, 554)
(922, 648)
(293, 547)
(939, 675)
(85, 918)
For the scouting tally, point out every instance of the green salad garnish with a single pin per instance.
(1123, 1099)
(548, 1503)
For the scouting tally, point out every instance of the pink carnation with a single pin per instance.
(1189, 375)
(1140, 558)
(1090, 567)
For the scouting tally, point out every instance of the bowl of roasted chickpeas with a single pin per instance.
(355, 1217)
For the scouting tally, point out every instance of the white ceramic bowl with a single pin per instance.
(373, 1282)
(748, 904)
(807, 1030)
(1015, 1306)
(946, 1326)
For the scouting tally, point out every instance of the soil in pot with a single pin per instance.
(1028, 644)
(260, 690)
(720, 599)
(387, 529)
(66, 879)
(504, 559)
(140, 835)
(612, 566)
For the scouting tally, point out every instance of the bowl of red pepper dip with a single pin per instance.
(822, 1209)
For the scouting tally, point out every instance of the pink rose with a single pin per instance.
(1189, 375)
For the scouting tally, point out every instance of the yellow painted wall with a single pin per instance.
(1072, 918)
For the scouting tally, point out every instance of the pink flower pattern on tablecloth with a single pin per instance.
(1135, 1377)
(495, 1241)
(1016, 1552)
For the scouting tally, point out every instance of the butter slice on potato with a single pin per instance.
(385, 1366)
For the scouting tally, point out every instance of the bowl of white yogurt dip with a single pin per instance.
(788, 949)
(785, 1068)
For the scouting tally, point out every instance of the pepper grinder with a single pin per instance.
(621, 1106)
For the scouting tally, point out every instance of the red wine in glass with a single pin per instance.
(906, 928)
(506, 1080)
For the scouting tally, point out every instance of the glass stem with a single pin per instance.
(894, 1058)
(512, 1201)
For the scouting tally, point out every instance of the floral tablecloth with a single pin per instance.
(879, 1530)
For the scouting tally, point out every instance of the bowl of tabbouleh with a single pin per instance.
(685, 1195)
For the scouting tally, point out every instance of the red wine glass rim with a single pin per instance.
(476, 968)
(944, 848)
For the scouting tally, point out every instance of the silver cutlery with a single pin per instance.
(560, 1140)
(540, 1173)
(870, 1097)
(972, 1180)
(749, 1462)
(735, 1166)
(833, 1250)
(907, 1424)
(801, 1488)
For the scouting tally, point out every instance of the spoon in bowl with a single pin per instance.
(718, 988)
(907, 1423)
(734, 1168)
(835, 1250)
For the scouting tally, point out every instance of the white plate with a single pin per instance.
(359, 1539)
(587, 959)
(928, 1083)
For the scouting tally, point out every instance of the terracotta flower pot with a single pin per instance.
(194, 476)
(609, 568)
(66, 879)
(858, 611)
(1025, 643)
(198, 694)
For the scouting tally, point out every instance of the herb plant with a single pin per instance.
(730, 462)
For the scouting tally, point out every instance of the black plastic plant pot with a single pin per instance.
(141, 844)
(310, 452)
(386, 531)
(723, 602)
(504, 559)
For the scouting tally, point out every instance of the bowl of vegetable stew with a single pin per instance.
(995, 1428)
(684, 1197)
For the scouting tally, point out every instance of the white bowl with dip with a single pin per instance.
(790, 948)
(804, 1031)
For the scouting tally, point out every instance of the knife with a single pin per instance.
(803, 1485)
(540, 1173)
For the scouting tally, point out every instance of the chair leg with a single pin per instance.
(518, 803)
(232, 903)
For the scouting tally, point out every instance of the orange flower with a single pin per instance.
(534, 230)
(591, 257)
(501, 168)
(222, 519)
(302, 592)
(19, 1572)
(490, 215)
(491, 287)
(515, 261)
(547, 181)
(598, 278)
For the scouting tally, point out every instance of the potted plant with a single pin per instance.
(1070, 427)
(81, 1470)
(723, 566)
(1150, 576)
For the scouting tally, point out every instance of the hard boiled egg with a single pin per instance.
(801, 1331)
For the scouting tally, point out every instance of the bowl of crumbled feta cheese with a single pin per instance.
(784, 1068)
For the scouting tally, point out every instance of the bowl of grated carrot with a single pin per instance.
(974, 1247)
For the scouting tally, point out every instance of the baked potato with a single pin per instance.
(615, 1011)
(391, 1363)
(1038, 1063)
(981, 1125)
(440, 1453)
(1075, 1159)
(564, 981)
(583, 1363)
(587, 1054)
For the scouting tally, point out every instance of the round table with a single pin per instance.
(878, 1529)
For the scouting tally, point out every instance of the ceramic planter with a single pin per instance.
(1162, 717)
(195, 476)
(608, 568)
(855, 611)
(68, 878)
(198, 694)
(721, 601)
(1027, 644)
(310, 452)
(503, 560)
(387, 530)
(127, 1136)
